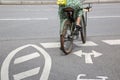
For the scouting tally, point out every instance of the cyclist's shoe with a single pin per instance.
(78, 27)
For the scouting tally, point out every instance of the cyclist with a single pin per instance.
(76, 5)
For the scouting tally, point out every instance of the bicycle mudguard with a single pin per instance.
(62, 26)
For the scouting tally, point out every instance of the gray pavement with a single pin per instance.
(29, 21)
(29, 45)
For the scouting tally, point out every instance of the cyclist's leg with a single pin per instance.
(78, 20)
(78, 15)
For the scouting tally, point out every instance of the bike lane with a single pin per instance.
(98, 59)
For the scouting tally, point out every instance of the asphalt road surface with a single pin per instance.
(29, 45)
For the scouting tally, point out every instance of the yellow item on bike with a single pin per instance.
(61, 2)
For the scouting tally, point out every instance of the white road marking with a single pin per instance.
(88, 43)
(99, 77)
(6, 63)
(51, 45)
(26, 58)
(26, 74)
(112, 42)
(22, 19)
(94, 17)
(88, 56)
(57, 44)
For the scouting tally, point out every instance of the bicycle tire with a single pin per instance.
(65, 39)
(83, 30)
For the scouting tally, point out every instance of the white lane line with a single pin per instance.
(104, 17)
(57, 44)
(22, 19)
(51, 45)
(112, 42)
(26, 58)
(26, 74)
(88, 43)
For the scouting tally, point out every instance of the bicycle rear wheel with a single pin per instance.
(66, 37)
(83, 30)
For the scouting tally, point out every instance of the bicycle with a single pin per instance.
(68, 29)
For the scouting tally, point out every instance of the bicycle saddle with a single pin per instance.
(68, 9)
